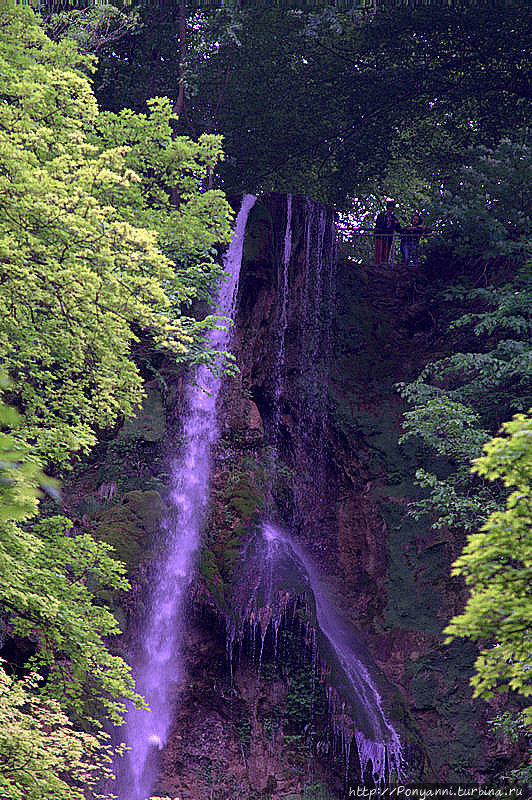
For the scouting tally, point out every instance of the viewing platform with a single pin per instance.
(361, 247)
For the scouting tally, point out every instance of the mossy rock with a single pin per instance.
(89, 505)
(243, 497)
(149, 423)
(424, 688)
(130, 526)
(212, 578)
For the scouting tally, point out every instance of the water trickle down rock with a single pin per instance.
(275, 579)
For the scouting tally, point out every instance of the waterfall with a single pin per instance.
(376, 740)
(158, 668)
(283, 291)
(315, 305)
(276, 584)
(276, 576)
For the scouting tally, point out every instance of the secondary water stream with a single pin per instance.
(275, 574)
(158, 667)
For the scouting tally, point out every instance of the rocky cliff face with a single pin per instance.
(330, 467)
(309, 438)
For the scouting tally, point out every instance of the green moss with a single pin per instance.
(212, 578)
(305, 700)
(439, 682)
(130, 526)
(131, 464)
(243, 497)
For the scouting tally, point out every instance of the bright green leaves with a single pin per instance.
(104, 231)
(446, 425)
(67, 619)
(497, 566)
(102, 240)
(50, 592)
(20, 473)
(510, 458)
(168, 195)
(50, 580)
(42, 756)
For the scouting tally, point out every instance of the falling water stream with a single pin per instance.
(376, 740)
(276, 574)
(158, 668)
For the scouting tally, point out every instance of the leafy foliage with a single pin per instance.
(459, 401)
(497, 566)
(80, 280)
(485, 210)
(369, 100)
(42, 756)
(45, 574)
(80, 277)
(43, 588)
(91, 27)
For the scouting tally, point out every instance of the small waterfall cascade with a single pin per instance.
(278, 578)
(283, 289)
(302, 346)
(158, 667)
(276, 585)
(316, 304)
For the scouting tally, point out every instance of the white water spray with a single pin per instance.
(378, 743)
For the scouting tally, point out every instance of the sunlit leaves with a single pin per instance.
(45, 575)
(42, 755)
(497, 566)
(91, 251)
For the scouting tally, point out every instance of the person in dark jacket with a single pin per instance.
(386, 224)
(410, 239)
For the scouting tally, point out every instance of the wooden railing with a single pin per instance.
(362, 247)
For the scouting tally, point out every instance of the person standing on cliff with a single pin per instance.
(410, 239)
(386, 224)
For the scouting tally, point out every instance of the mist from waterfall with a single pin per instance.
(158, 667)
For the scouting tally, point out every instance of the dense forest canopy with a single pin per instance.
(121, 133)
(323, 102)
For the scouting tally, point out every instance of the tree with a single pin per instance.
(497, 566)
(80, 278)
(407, 88)
(484, 211)
(91, 27)
(45, 571)
(42, 755)
(80, 281)
(460, 400)
(458, 403)
(43, 590)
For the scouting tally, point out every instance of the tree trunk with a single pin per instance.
(180, 103)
